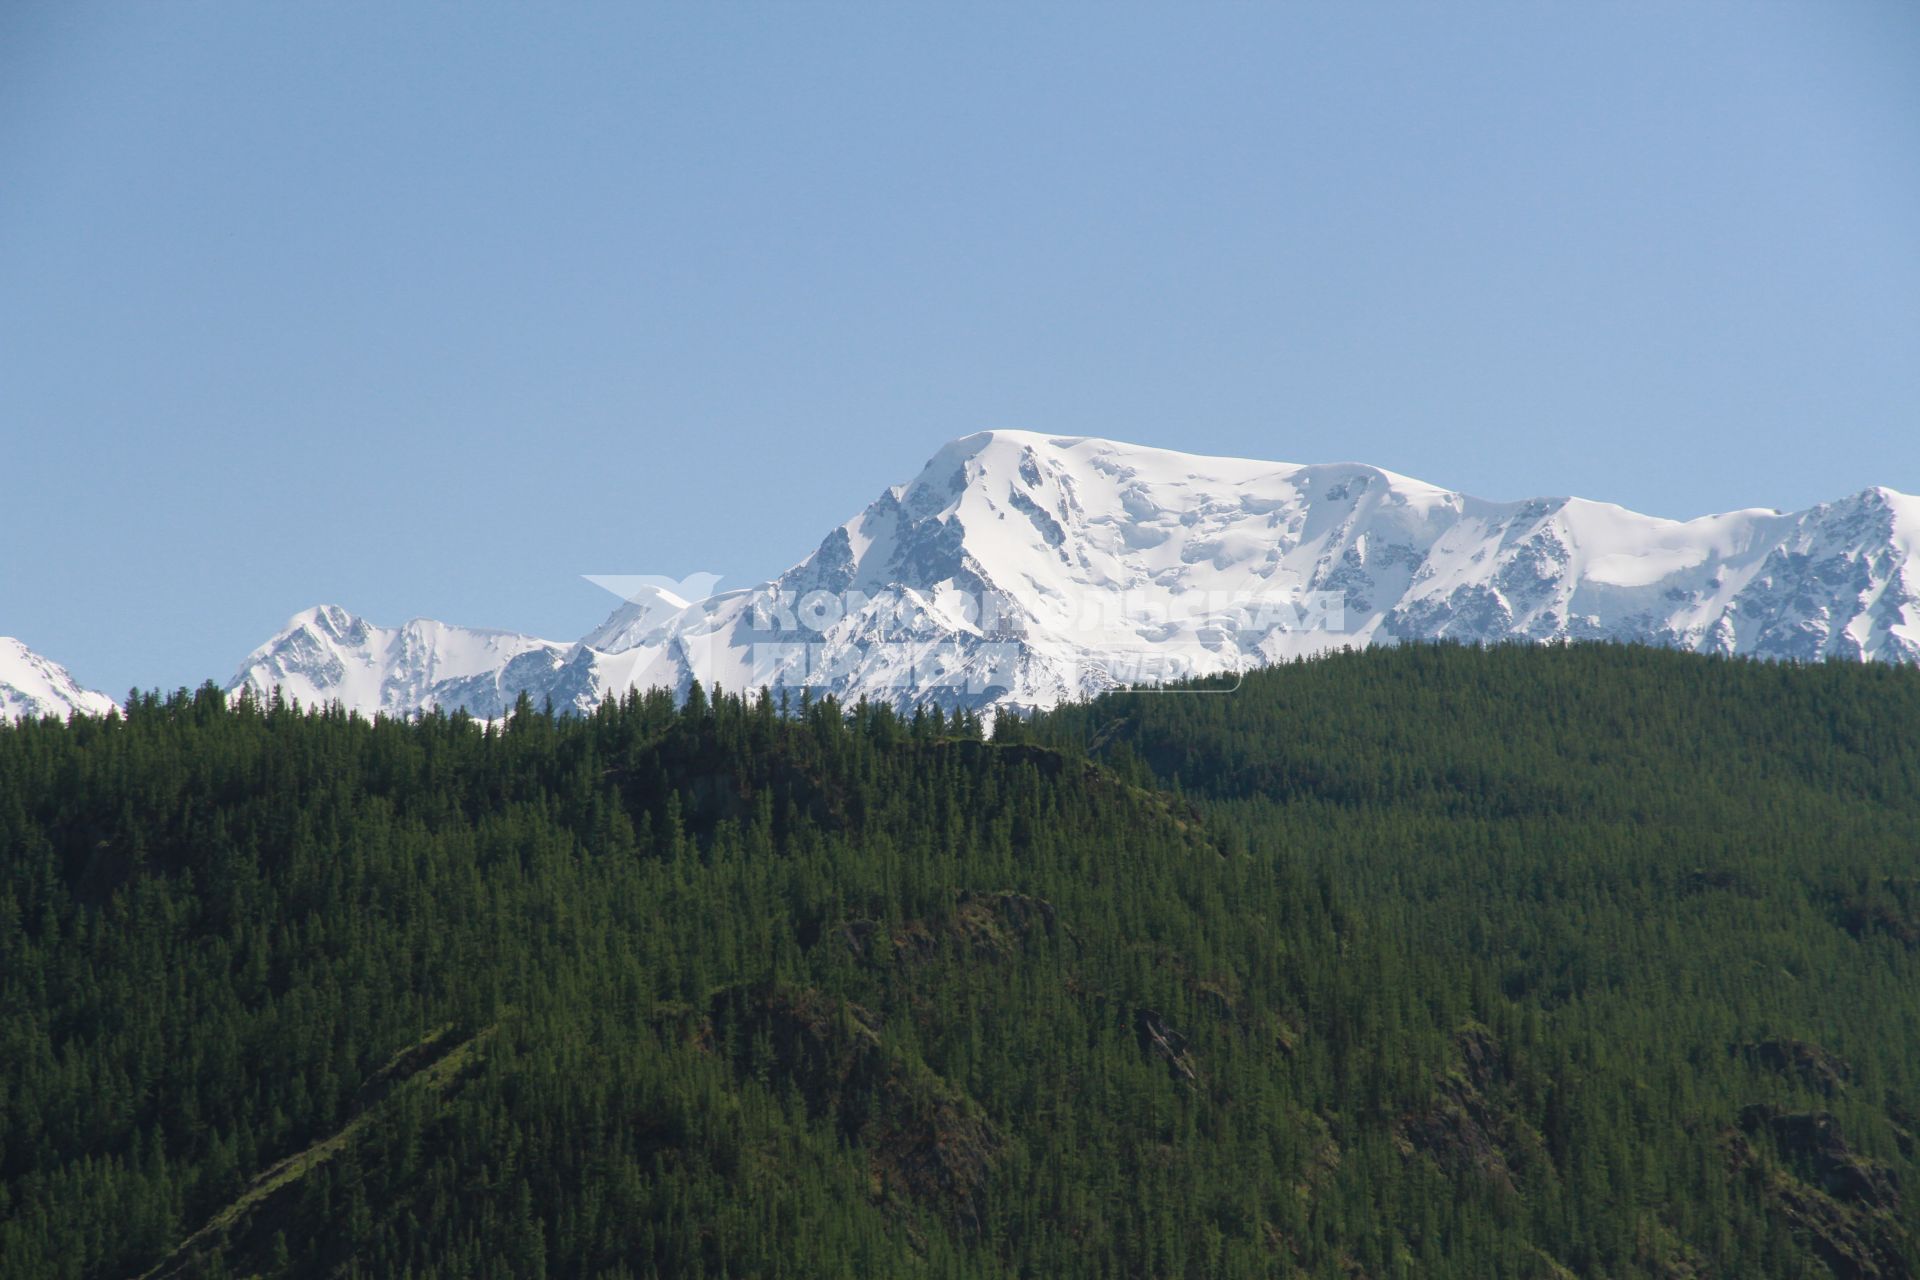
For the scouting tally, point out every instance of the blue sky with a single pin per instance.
(430, 309)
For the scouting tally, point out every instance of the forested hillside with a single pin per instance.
(1523, 962)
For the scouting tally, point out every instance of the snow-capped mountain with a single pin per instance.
(329, 655)
(1026, 569)
(33, 686)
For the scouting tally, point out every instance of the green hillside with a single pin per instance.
(1525, 962)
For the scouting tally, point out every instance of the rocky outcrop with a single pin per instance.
(984, 925)
(1159, 1040)
(1469, 1129)
(1812, 1144)
(1843, 1205)
(927, 1142)
(1892, 909)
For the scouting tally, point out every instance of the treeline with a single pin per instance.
(1427, 962)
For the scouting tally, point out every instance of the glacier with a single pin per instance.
(1024, 569)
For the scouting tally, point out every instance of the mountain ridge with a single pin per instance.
(33, 685)
(1027, 569)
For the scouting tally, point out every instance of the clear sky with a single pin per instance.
(428, 309)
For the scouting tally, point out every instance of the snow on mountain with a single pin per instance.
(1026, 569)
(329, 655)
(33, 686)
(1113, 563)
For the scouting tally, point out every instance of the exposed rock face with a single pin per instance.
(1844, 1205)
(925, 1140)
(1467, 1130)
(1159, 1040)
(986, 926)
(1892, 909)
(1812, 1143)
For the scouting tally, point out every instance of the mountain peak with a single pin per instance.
(328, 654)
(32, 686)
(1024, 568)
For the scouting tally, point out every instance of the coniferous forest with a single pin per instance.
(1431, 961)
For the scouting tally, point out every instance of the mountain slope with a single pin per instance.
(1027, 569)
(1527, 962)
(32, 686)
(329, 655)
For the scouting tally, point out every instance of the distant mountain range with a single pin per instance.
(1026, 569)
